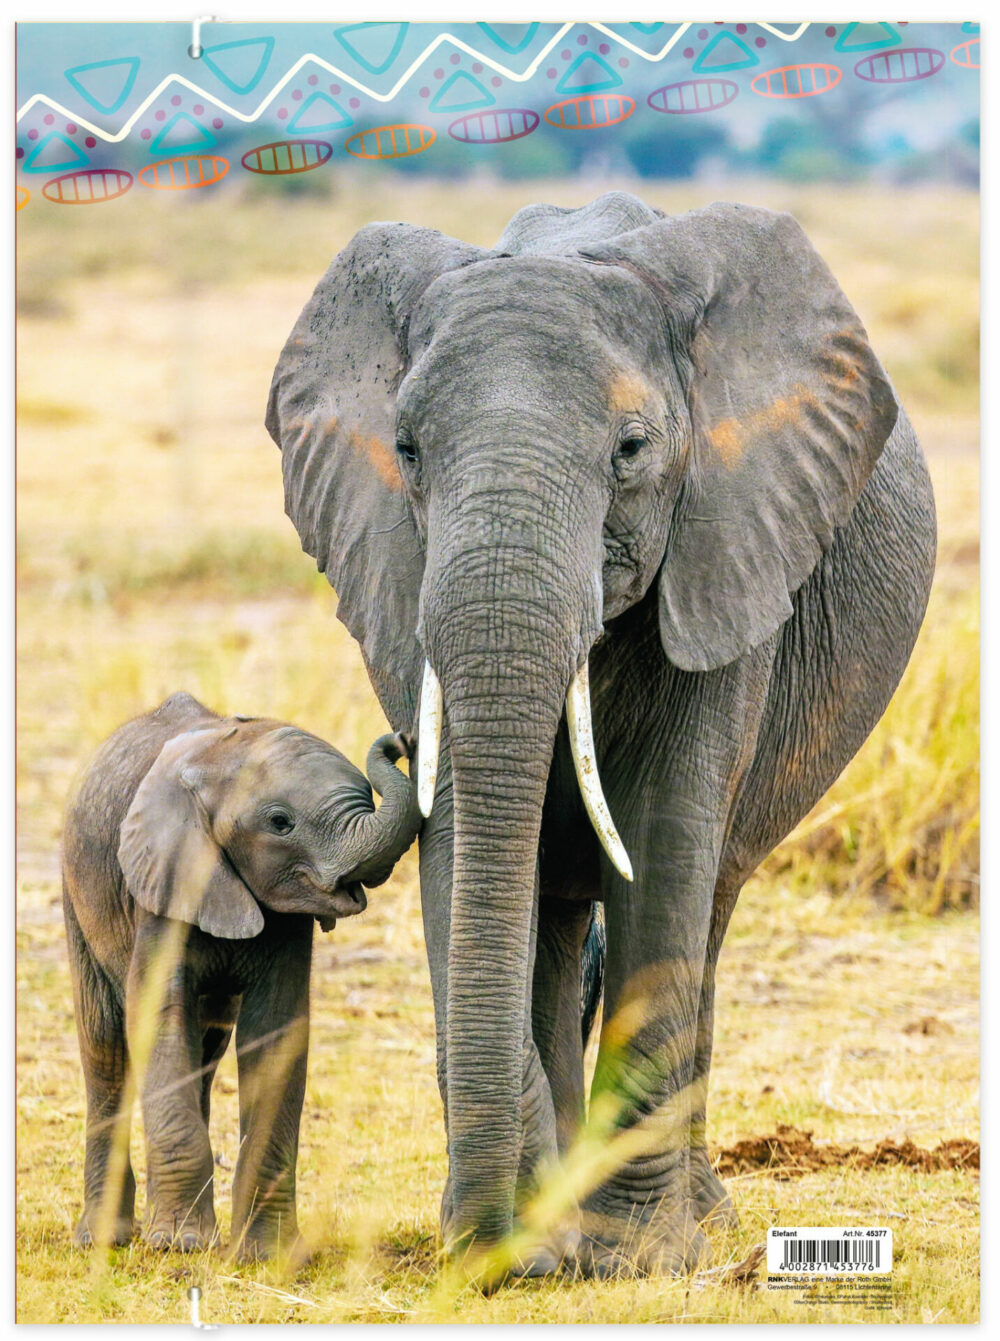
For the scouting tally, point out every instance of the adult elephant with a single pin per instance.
(658, 449)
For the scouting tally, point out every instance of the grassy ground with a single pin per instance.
(154, 555)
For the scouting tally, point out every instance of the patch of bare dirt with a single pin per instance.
(790, 1153)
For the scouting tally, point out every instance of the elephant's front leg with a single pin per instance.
(673, 804)
(272, 1042)
(164, 1027)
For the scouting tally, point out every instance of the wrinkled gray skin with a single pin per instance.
(665, 444)
(243, 830)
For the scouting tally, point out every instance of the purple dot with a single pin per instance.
(161, 116)
(425, 92)
(70, 127)
(477, 68)
(217, 122)
(566, 55)
(455, 58)
(297, 94)
(438, 74)
(176, 100)
(32, 134)
(145, 134)
(831, 32)
(90, 141)
(623, 63)
(496, 81)
(702, 34)
(198, 109)
(313, 79)
(334, 88)
(282, 113)
(604, 48)
(49, 119)
(581, 41)
(689, 52)
(20, 153)
(550, 73)
(355, 102)
(741, 28)
(760, 41)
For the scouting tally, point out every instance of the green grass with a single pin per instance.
(154, 555)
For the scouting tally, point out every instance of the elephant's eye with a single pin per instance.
(631, 446)
(279, 821)
(406, 447)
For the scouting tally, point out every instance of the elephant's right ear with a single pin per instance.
(170, 860)
(332, 413)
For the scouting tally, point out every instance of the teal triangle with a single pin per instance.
(105, 84)
(167, 142)
(508, 39)
(51, 153)
(460, 93)
(867, 37)
(242, 67)
(970, 27)
(728, 53)
(320, 112)
(647, 27)
(373, 45)
(588, 74)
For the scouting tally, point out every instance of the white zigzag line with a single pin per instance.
(311, 58)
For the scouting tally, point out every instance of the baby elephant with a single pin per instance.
(196, 854)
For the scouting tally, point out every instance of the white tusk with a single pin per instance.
(581, 739)
(428, 739)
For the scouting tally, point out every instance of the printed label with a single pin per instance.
(826, 1251)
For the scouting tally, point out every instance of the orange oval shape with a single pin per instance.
(184, 174)
(285, 156)
(797, 81)
(391, 141)
(590, 111)
(966, 54)
(89, 186)
(23, 196)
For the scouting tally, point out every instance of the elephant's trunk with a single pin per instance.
(382, 836)
(505, 626)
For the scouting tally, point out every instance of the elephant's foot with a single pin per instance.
(86, 1234)
(670, 1244)
(261, 1245)
(712, 1204)
(182, 1234)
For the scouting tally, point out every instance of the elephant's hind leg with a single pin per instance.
(108, 1181)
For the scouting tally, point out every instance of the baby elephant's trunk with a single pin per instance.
(385, 834)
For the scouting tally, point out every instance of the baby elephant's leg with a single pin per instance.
(108, 1181)
(272, 1040)
(164, 1028)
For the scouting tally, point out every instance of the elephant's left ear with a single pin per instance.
(789, 411)
(332, 412)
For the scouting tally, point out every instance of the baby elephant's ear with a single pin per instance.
(171, 862)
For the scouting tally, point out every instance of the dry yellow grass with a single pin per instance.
(154, 555)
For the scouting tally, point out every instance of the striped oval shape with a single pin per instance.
(284, 156)
(590, 111)
(89, 186)
(797, 81)
(693, 95)
(184, 174)
(23, 196)
(494, 127)
(901, 66)
(966, 54)
(391, 141)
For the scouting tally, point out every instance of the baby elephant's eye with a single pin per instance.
(279, 821)
(631, 446)
(406, 447)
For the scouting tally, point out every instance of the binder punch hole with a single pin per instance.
(195, 49)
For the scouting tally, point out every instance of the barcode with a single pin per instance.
(853, 1252)
(825, 1249)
